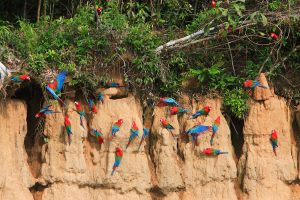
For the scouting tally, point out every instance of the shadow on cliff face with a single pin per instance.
(32, 94)
(237, 137)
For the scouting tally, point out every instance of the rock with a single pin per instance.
(15, 178)
(262, 93)
(263, 175)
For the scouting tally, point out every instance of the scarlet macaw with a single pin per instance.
(250, 84)
(167, 102)
(196, 131)
(167, 126)
(134, 132)
(178, 111)
(145, 134)
(45, 111)
(274, 141)
(213, 152)
(118, 159)
(56, 86)
(20, 78)
(115, 128)
(204, 111)
(98, 134)
(215, 128)
(80, 111)
(68, 128)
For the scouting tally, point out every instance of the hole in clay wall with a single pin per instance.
(237, 137)
(37, 191)
(33, 95)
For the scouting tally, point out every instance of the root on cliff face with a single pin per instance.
(33, 95)
(237, 137)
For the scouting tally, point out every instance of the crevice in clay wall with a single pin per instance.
(237, 136)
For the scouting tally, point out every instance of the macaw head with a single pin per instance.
(134, 124)
(207, 150)
(207, 109)
(163, 121)
(274, 36)
(99, 10)
(248, 83)
(37, 115)
(77, 104)
(120, 121)
(118, 149)
(274, 131)
(214, 3)
(25, 77)
(67, 118)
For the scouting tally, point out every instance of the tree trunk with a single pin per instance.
(25, 9)
(45, 8)
(39, 11)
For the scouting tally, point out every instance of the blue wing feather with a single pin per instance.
(61, 77)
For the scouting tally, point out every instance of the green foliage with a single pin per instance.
(236, 101)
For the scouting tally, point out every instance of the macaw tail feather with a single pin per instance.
(140, 144)
(275, 153)
(171, 133)
(111, 138)
(55, 96)
(113, 170)
(211, 141)
(81, 121)
(69, 139)
(262, 86)
(223, 153)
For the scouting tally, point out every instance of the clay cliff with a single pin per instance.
(165, 167)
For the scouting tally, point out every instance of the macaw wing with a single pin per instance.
(169, 126)
(198, 129)
(45, 109)
(115, 129)
(146, 132)
(91, 103)
(169, 100)
(61, 77)
(215, 128)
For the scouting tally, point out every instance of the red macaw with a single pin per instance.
(213, 152)
(20, 78)
(68, 128)
(196, 131)
(134, 132)
(56, 86)
(98, 134)
(45, 111)
(178, 111)
(92, 106)
(145, 134)
(250, 84)
(118, 159)
(215, 128)
(274, 141)
(204, 111)
(274, 36)
(167, 126)
(166, 101)
(115, 128)
(80, 111)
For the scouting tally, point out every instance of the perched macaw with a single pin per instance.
(204, 111)
(99, 10)
(274, 141)
(110, 84)
(215, 128)
(274, 36)
(196, 131)
(100, 97)
(145, 134)
(92, 106)
(80, 111)
(56, 86)
(250, 84)
(45, 111)
(115, 128)
(134, 132)
(213, 3)
(167, 102)
(98, 134)
(68, 128)
(213, 152)
(167, 126)
(178, 111)
(118, 158)
(20, 78)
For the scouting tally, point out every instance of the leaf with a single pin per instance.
(253, 15)
(237, 9)
(264, 19)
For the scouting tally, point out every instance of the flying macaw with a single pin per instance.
(100, 97)
(45, 111)
(118, 158)
(110, 85)
(167, 126)
(213, 152)
(115, 128)
(56, 86)
(178, 111)
(204, 111)
(167, 102)
(98, 134)
(20, 78)
(92, 106)
(145, 134)
(215, 128)
(80, 111)
(196, 131)
(68, 128)
(134, 132)
(250, 84)
(274, 141)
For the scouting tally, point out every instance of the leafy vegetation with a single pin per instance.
(235, 44)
